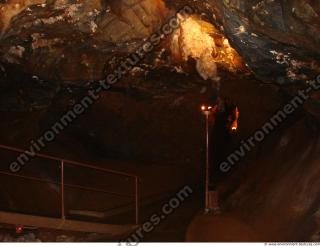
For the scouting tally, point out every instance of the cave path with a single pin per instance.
(220, 228)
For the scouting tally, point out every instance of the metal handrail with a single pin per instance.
(74, 163)
(64, 162)
(66, 184)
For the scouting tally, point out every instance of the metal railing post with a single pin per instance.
(62, 162)
(137, 199)
(207, 181)
(62, 191)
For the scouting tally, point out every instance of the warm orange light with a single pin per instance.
(208, 109)
(204, 43)
(234, 125)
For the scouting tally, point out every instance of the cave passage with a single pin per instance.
(159, 121)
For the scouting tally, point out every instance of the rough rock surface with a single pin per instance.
(62, 43)
(73, 42)
(279, 40)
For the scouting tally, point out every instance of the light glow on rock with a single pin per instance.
(201, 41)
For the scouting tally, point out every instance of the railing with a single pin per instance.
(63, 163)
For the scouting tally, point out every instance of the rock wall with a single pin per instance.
(72, 42)
(11, 8)
(279, 40)
(276, 190)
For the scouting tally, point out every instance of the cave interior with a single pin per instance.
(120, 84)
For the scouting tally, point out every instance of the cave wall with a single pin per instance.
(73, 42)
(276, 189)
(279, 41)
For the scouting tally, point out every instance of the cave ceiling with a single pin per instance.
(74, 42)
